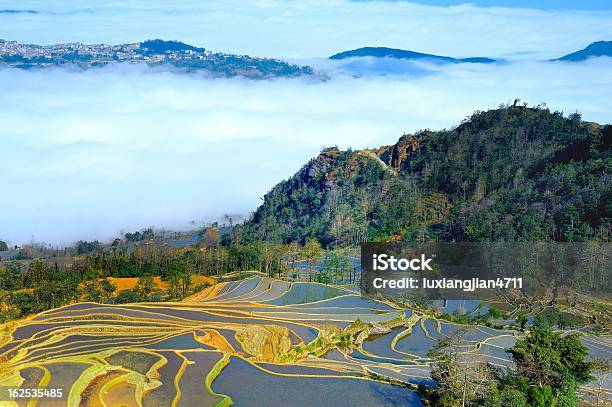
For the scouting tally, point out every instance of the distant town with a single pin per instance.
(177, 55)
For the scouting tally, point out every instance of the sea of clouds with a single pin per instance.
(85, 154)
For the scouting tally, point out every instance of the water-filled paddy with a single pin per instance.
(46, 354)
(191, 385)
(599, 347)
(136, 361)
(408, 374)
(48, 328)
(460, 306)
(230, 337)
(243, 287)
(164, 394)
(120, 394)
(495, 355)
(301, 293)
(263, 285)
(247, 386)
(142, 333)
(179, 342)
(417, 343)
(80, 347)
(31, 376)
(381, 344)
(467, 333)
(63, 374)
(277, 288)
(303, 370)
(349, 301)
(110, 311)
(502, 341)
(379, 359)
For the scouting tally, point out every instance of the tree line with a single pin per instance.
(31, 286)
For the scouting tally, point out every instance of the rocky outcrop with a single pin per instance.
(398, 154)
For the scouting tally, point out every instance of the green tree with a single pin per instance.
(551, 363)
(522, 321)
(10, 277)
(178, 275)
(144, 287)
(92, 290)
(150, 268)
(8, 310)
(107, 287)
(461, 380)
(602, 368)
(549, 368)
(36, 273)
(127, 296)
(331, 266)
(175, 286)
(494, 312)
(311, 252)
(512, 398)
(323, 277)
(25, 302)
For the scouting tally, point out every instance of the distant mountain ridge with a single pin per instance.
(595, 49)
(384, 52)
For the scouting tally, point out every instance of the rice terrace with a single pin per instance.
(248, 340)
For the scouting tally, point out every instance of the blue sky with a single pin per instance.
(536, 4)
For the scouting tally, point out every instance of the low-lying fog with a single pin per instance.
(86, 154)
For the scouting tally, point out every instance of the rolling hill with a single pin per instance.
(593, 50)
(513, 173)
(383, 52)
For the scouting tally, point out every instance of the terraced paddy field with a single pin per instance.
(251, 342)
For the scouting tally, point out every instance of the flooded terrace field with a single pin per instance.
(255, 341)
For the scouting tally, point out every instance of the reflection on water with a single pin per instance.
(248, 386)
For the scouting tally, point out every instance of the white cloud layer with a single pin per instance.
(310, 28)
(86, 154)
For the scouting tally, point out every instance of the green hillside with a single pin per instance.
(384, 52)
(513, 173)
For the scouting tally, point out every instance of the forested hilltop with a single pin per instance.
(512, 173)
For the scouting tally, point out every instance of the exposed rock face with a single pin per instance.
(397, 155)
(321, 164)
